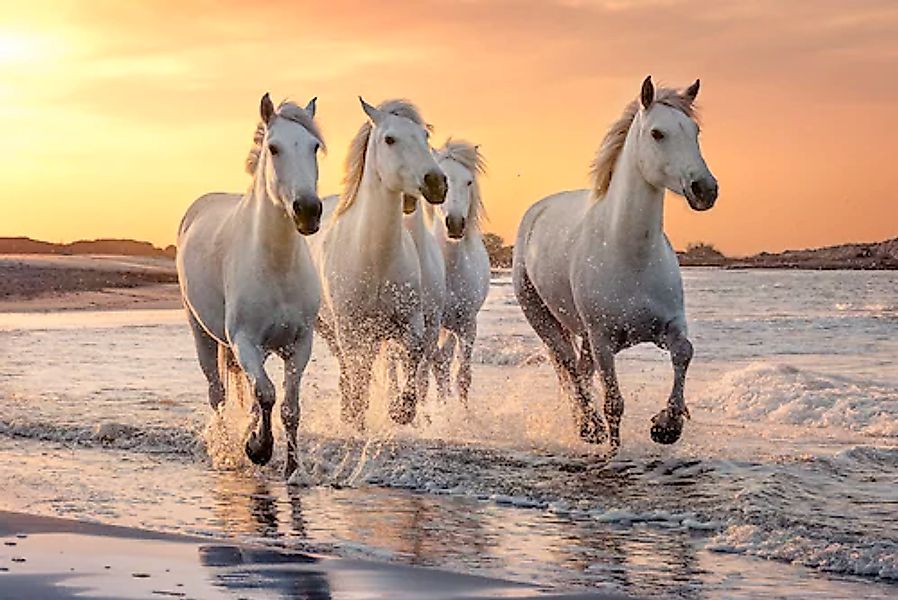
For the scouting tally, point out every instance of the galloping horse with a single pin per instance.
(247, 278)
(466, 260)
(597, 265)
(370, 270)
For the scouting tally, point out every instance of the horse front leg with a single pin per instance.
(404, 406)
(466, 349)
(603, 356)
(357, 353)
(251, 359)
(667, 425)
(295, 361)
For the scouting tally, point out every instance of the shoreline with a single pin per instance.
(62, 559)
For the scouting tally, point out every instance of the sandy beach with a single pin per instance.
(49, 558)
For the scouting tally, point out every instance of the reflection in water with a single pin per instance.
(279, 574)
(451, 532)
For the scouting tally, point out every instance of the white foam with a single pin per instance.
(785, 394)
(875, 559)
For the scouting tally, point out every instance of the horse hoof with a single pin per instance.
(259, 452)
(666, 429)
(402, 411)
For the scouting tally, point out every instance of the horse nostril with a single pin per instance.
(455, 226)
(307, 205)
(435, 180)
(697, 188)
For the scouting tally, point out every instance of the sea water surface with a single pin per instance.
(785, 483)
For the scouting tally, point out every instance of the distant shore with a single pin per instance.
(125, 274)
(862, 256)
(859, 256)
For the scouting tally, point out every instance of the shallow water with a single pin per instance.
(783, 484)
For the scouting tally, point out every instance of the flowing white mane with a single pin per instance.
(355, 158)
(602, 167)
(469, 156)
(286, 110)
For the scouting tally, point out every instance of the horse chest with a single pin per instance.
(282, 332)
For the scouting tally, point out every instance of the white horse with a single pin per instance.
(467, 262)
(247, 278)
(597, 265)
(370, 270)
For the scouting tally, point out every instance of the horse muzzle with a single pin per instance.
(435, 187)
(702, 193)
(455, 227)
(307, 214)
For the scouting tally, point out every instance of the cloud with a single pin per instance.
(802, 87)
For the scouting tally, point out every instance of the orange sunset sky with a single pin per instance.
(115, 115)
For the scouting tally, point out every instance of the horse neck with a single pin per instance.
(472, 229)
(416, 223)
(377, 214)
(633, 208)
(270, 227)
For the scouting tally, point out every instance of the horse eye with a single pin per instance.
(658, 135)
(274, 150)
(470, 182)
(390, 140)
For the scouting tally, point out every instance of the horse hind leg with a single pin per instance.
(557, 339)
(667, 425)
(231, 373)
(603, 354)
(207, 349)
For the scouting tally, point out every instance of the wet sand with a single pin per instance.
(53, 558)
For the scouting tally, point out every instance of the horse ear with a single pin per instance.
(310, 107)
(375, 115)
(266, 109)
(692, 91)
(648, 92)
